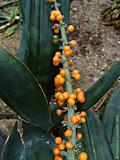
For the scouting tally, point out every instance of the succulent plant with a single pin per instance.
(29, 93)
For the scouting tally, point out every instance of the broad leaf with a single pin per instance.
(98, 90)
(38, 145)
(36, 49)
(21, 91)
(111, 122)
(94, 140)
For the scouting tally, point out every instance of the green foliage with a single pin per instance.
(21, 91)
(38, 144)
(111, 122)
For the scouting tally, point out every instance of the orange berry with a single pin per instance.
(58, 140)
(71, 101)
(60, 158)
(73, 43)
(52, 12)
(77, 77)
(61, 146)
(50, 0)
(56, 151)
(68, 133)
(59, 112)
(55, 59)
(68, 53)
(71, 28)
(73, 96)
(66, 48)
(65, 95)
(60, 88)
(83, 120)
(83, 114)
(78, 117)
(59, 18)
(56, 31)
(70, 62)
(79, 136)
(81, 97)
(69, 145)
(57, 94)
(58, 76)
(77, 90)
(56, 157)
(52, 17)
(58, 54)
(63, 72)
(60, 103)
(74, 120)
(75, 72)
(57, 13)
(61, 80)
(83, 156)
(60, 97)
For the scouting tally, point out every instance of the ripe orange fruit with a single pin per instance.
(59, 18)
(78, 117)
(81, 97)
(73, 96)
(52, 12)
(68, 53)
(60, 97)
(55, 59)
(69, 145)
(52, 17)
(75, 71)
(83, 120)
(55, 64)
(74, 120)
(68, 133)
(58, 54)
(65, 95)
(61, 81)
(56, 151)
(71, 101)
(73, 43)
(63, 72)
(59, 112)
(71, 28)
(60, 103)
(70, 62)
(79, 136)
(83, 156)
(59, 158)
(61, 146)
(56, 157)
(83, 114)
(57, 94)
(77, 77)
(58, 140)
(50, 0)
(57, 13)
(56, 31)
(66, 48)
(77, 90)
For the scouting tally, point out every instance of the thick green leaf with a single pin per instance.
(98, 90)
(111, 122)
(38, 145)
(94, 140)
(36, 49)
(20, 90)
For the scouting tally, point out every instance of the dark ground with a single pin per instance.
(99, 46)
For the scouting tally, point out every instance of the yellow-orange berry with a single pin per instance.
(56, 151)
(57, 94)
(73, 43)
(69, 145)
(60, 97)
(60, 88)
(50, 0)
(71, 101)
(77, 90)
(61, 146)
(83, 120)
(57, 13)
(52, 12)
(52, 17)
(58, 54)
(59, 112)
(78, 117)
(81, 97)
(77, 77)
(59, 18)
(75, 71)
(63, 72)
(58, 140)
(70, 62)
(83, 114)
(56, 31)
(79, 136)
(66, 48)
(68, 133)
(61, 81)
(60, 103)
(71, 28)
(74, 120)
(73, 96)
(65, 95)
(83, 156)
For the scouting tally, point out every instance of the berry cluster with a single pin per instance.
(65, 96)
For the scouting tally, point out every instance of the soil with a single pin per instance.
(98, 49)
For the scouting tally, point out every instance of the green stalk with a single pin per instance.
(69, 88)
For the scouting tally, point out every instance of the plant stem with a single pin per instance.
(69, 88)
